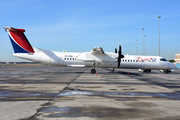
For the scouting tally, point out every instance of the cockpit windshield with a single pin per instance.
(163, 59)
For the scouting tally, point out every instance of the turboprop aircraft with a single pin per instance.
(96, 58)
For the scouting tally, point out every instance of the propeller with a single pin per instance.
(119, 56)
(115, 50)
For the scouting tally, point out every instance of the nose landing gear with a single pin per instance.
(166, 71)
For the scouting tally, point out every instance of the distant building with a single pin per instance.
(177, 58)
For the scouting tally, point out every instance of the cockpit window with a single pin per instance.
(163, 59)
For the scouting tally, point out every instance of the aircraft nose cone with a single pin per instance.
(172, 66)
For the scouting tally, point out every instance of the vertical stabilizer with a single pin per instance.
(19, 41)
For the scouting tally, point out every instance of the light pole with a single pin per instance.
(136, 46)
(144, 44)
(142, 39)
(159, 34)
(124, 49)
(129, 48)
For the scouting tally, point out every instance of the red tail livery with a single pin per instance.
(19, 41)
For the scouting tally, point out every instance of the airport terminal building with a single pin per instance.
(177, 59)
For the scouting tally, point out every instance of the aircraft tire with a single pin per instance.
(146, 70)
(93, 71)
(167, 71)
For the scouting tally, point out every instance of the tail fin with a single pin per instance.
(19, 41)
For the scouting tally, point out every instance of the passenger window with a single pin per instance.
(128, 60)
(67, 58)
(70, 58)
(125, 60)
(133, 60)
(64, 58)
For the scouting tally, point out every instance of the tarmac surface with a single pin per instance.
(45, 92)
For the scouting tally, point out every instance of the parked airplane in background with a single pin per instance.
(96, 58)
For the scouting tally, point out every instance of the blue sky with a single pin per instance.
(80, 25)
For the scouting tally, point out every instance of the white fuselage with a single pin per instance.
(87, 59)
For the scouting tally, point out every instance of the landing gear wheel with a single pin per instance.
(167, 71)
(93, 71)
(146, 70)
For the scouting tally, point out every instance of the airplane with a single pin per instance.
(96, 58)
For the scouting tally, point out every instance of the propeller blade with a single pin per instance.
(120, 49)
(119, 56)
(115, 50)
(118, 64)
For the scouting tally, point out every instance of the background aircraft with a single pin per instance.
(96, 58)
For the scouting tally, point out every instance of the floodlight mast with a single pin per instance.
(159, 34)
(144, 44)
(142, 39)
(136, 46)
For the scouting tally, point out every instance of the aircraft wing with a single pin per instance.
(97, 51)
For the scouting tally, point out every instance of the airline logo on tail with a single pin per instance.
(19, 41)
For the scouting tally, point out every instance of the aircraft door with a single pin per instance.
(142, 64)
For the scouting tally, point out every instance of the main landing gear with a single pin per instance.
(166, 71)
(113, 70)
(147, 70)
(93, 71)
